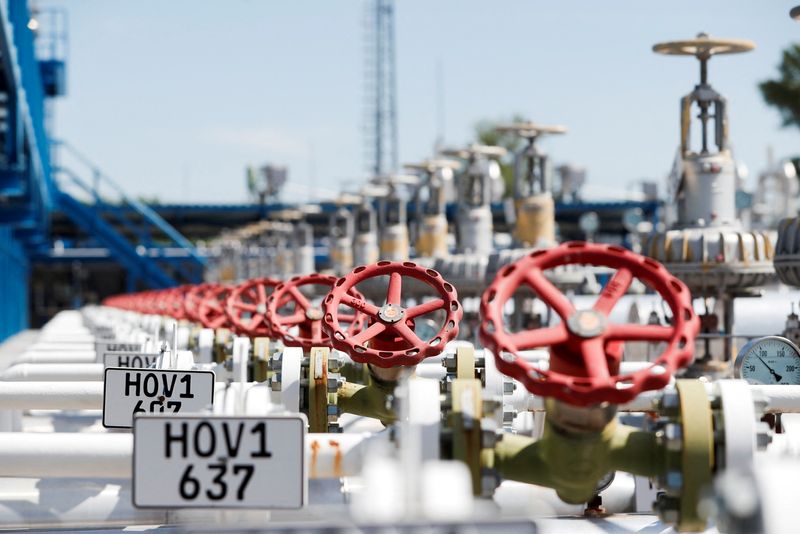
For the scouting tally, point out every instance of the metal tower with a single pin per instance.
(380, 88)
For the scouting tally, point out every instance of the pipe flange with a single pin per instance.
(709, 260)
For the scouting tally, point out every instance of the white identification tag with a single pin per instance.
(129, 359)
(101, 347)
(219, 461)
(128, 391)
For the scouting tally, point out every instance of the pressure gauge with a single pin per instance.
(769, 360)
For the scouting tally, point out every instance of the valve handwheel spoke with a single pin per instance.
(614, 290)
(289, 308)
(395, 287)
(585, 349)
(369, 333)
(639, 332)
(246, 307)
(299, 298)
(425, 308)
(359, 304)
(390, 339)
(543, 337)
(549, 293)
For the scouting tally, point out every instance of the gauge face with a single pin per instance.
(769, 360)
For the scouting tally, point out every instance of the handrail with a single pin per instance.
(142, 209)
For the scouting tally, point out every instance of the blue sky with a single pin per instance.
(173, 99)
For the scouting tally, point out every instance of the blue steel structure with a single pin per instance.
(26, 186)
(153, 253)
(29, 192)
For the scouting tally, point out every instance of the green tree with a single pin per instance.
(784, 92)
(486, 134)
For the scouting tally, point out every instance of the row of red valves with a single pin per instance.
(585, 347)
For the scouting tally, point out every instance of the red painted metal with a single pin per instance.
(584, 365)
(246, 307)
(390, 339)
(288, 307)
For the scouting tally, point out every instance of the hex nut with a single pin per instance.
(673, 437)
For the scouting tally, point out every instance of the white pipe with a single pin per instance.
(65, 335)
(69, 455)
(339, 455)
(51, 395)
(60, 347)
(45, 372)
(74, 455)
(779, 399)
(28, 395)
(57, 357)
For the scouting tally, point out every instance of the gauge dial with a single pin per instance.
(769, 360)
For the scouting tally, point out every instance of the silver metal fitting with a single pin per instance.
(489, 482)
(763, 435)
(667, 508)
(334, 428)
(275, 382)
(489, 438)
(670, 401)
(673, 437)
(674, 480)
(334, 383)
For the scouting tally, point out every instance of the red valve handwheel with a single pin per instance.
(306, 316)
(167, 301)
(247, 306)
(175, 302)
(150, 303)
(390, 339)
(211, 311)
(192, 300)
(585, 348)
(157, 302)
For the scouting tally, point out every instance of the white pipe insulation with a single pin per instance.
(51, 395)
(68, 455)
(62, 346)
(27, 395)
(74, 455)
(35, 356)
(54, 372)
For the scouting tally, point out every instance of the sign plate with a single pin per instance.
(129, 359)
(127, 391)
(101, 347)
(219, 461)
